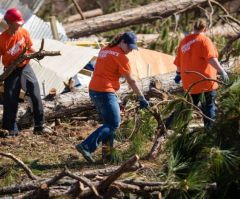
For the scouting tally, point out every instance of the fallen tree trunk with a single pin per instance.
(88, 14)
(77, 102)
(128, 17)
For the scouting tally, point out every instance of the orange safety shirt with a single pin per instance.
(111, 64)
(193, 54)
(11, 46)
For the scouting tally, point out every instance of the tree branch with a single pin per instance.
(22, 57)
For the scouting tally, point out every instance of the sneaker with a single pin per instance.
(40, 130)
(8, 133)
(13, 133)
(84, 153)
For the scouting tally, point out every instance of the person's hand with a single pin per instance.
(143, 102)
(39, 57)
(177, 78)
(224, 76)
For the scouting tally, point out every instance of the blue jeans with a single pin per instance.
(208, 108)
(109, 110)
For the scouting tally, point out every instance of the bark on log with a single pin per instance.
(88, 14)
(161, 132)
(128, 17)
(76, 102)
(104, 184)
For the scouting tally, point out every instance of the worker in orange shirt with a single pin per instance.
(112, 63)
(196, 52)
(12, 42)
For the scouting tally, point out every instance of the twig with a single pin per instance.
(202, 80)
(84, 180)
(196, 107)
(228, 45)
(227, 13)
(211, 13)
(20, 162)
(136, 125)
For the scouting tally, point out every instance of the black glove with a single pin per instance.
(177, 78)
(143, 102)
(39, 57)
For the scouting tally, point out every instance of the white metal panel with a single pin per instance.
(52, 71)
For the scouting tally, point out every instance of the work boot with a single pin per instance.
(107, 153)
(41, 130)
(87, 155)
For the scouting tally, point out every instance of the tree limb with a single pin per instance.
(22, 57)
(20, 162)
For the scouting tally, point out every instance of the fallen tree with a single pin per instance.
(128, 17)
(78, 102)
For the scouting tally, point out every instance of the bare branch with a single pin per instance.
(20, 162)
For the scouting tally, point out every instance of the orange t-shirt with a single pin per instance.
(111, 64)
(11, 46)
(193, 54)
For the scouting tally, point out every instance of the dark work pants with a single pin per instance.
(21, 78)
(208, 108)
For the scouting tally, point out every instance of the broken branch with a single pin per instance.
(22, 57)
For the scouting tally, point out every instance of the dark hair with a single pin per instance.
(116, 40)
(200, 24)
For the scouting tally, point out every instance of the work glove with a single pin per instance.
(177, 78)
(143, 102)
(224, 76)
(40, 57)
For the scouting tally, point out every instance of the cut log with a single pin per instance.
(128, 17)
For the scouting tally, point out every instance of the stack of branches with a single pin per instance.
(99, 183)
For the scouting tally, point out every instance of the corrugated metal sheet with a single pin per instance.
(26, 6)
(39, 29)
(52, 71)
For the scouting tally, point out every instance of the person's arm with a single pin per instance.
(215, 63)
(133, 84)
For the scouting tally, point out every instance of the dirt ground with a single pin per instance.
(46, 155)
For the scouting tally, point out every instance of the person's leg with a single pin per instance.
(12, 88)
(108, 106)
(196, 98)
(30, 85)
(169, 120)
(209, 108)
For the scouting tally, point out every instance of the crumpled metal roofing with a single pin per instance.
(37, 28)
(52, 71)
(27, 7)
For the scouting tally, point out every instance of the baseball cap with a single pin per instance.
(130, 39)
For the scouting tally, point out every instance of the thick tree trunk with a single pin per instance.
(128, 17)
(88, 14)
(78, 102)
